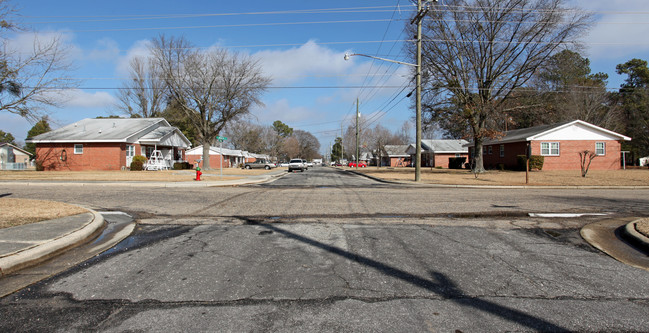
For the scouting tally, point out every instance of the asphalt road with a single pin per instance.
(326, 250)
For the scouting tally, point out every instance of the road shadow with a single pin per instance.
(437, 282)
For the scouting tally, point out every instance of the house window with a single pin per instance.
(491, 150)
(484, 150)
(600, 148)
(502, 150)
(78, 149)
(130, 151)
(458, 155)
(550, 148)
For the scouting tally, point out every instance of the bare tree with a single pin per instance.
(212, 87)
(585, 158)
(476, 52)
(143, 94)
(32, 80)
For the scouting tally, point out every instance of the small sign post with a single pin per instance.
(221, 139)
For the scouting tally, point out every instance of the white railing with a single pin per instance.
(13, 166)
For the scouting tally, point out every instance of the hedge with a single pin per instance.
(536, 162)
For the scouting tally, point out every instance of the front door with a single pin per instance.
(130, 152)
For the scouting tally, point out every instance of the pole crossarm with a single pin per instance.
(347, 56)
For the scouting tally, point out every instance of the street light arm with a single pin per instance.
(347, 56)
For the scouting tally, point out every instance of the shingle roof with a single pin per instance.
(102, 130)
(396, 150)
(445, 146)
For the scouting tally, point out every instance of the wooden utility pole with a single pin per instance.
(358, 115)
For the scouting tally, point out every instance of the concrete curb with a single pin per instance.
(41, 252)
(635, 237)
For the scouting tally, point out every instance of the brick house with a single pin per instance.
(395, 156)
(559, 144)
(108, 144)
(436, 153)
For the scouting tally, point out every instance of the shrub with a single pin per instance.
(182, 166)
(140, 158)
(536, 162)
(137, 165)
(456, 162)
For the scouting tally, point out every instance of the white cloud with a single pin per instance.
(80, 98)
(282, 110)
(24, 43)
(620, 30)
(139, 49)
(105, 50)
(307, 61)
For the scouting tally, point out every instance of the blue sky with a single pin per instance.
(299, 43)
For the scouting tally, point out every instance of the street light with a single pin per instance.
(347, 56)
(418, 105)
(422, 9)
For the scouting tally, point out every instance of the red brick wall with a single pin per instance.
(215, 161)
(569, 155)
(96, 156)
(441, 160)
(399, 161)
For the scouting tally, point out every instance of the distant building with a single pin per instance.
(108, 144)
(13, 158)
(395, 156)
(436, 153)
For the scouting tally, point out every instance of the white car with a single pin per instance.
(296, 164)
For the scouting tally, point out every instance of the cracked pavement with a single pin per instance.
(359, 258)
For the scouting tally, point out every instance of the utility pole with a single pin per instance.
(358, 115)
(421, 12)
(342, 145)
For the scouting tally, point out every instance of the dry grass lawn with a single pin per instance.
(15, 212)
(153, 176)
(634, 177)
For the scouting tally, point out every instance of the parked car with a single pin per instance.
(360, 165)
(259, 164)
(306, 164)
(296, 164)
(283, 164)
(309, 164)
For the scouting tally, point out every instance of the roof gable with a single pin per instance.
(9, 145)
(577, 130)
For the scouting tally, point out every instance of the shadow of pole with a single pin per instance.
(439, 284)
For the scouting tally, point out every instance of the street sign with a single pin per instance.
(221, 139)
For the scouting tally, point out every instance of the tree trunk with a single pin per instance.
(206, 155)
(478, 163)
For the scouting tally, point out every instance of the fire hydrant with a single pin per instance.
(198, 173)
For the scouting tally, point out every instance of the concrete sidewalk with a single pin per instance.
(30, 244)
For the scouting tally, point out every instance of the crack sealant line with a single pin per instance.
(566, 214)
